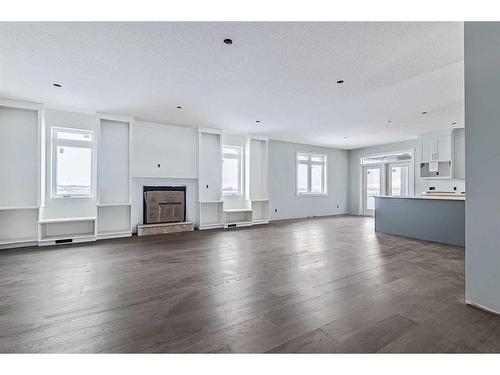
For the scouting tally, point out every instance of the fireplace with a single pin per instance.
(164, 204)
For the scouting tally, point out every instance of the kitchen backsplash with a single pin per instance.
(445, 185)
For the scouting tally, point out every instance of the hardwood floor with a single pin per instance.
(320, 285)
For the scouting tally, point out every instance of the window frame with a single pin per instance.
(240, 170)
(54, 143)
(309, 163)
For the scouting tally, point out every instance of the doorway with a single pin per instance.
(399, 179)
(373, 182)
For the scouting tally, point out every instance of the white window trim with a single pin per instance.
(325, 175)
(240, 174)
(53, 172)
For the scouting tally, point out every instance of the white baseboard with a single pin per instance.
(480, 307)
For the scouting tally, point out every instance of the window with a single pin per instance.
(311, 174)
(388, 158)
(231, 170)
(72, 151)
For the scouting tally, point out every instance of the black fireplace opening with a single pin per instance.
(164, 204)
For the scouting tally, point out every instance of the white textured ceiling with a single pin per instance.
(283, 74)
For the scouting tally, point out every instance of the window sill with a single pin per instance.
(311, 194)
(231, 194)
(71, 197)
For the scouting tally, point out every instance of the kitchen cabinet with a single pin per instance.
(428, 149)
(436, 149)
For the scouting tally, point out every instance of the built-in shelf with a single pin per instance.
(238, 210)
(76, 229)
(66, 220)
(210, 214)
(68, 236)
(260, 211)
(20, 135)
(113, 204)
(444, 170)
(232, 224)
(113, 219)
(237, 217)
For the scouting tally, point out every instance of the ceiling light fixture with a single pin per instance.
(56, 85)
(179, 107)
(228, 41)
(257, 121)
(340, 81)
(424, 113)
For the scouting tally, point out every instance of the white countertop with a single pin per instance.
(431, 197)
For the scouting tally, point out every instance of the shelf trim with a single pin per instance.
(14, 208)
(66, 220)
(114, 204)
(69, 236)
(239, 223)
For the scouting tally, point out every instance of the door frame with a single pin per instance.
(411, 176)
(364, 168)
(360, 182)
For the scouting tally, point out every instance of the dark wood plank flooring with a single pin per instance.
(327, 285)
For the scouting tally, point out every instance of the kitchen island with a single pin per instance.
(432, 218)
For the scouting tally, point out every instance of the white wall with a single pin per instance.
(282, 184)
(19, 140)
(421, 185)
(482, 132)
(174, 148)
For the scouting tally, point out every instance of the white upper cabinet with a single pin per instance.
(428, 149)
(436, 149)
(443, 148)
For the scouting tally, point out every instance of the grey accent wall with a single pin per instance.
(425, 219)
(282, 174)
(421, 185)
(482, 135)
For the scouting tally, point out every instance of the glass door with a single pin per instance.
(399, 179)
(373, 182)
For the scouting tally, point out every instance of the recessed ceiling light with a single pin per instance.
(56, 85)
(424, 112)
(179, 107)
(340, 81)
(228, 41)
